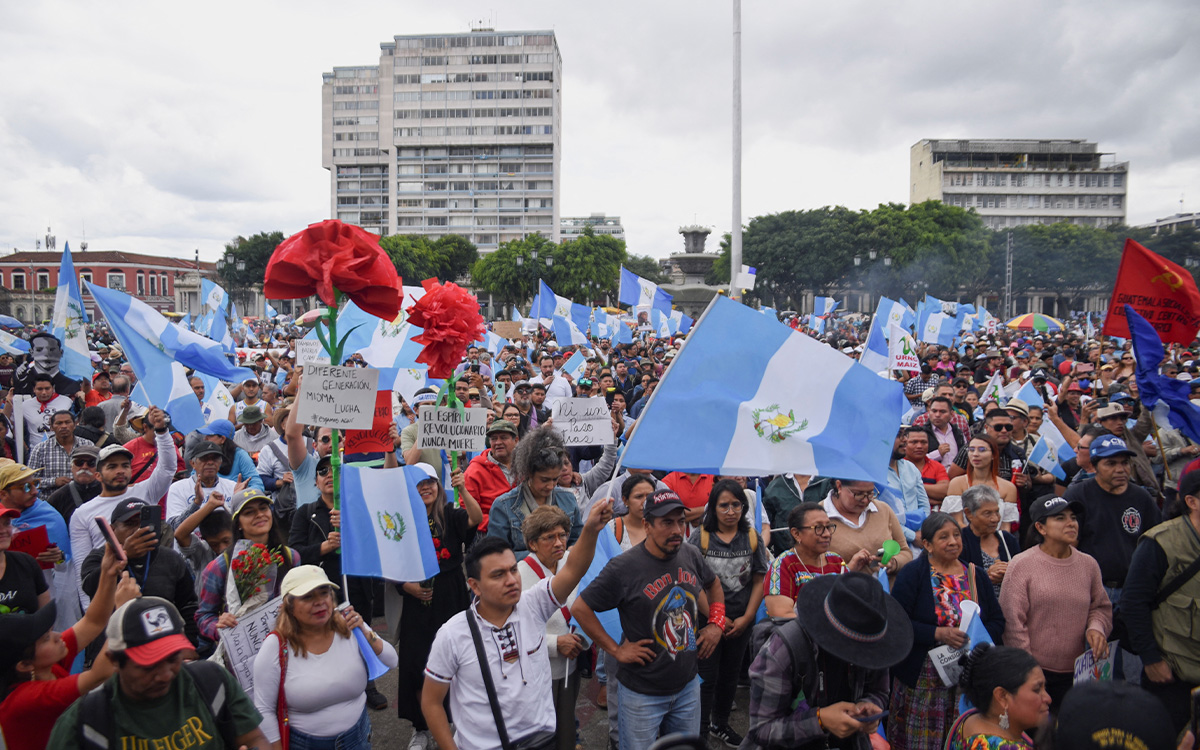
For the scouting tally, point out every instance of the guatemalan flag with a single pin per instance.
(214, 295)
(940, 329)
(566, 333)
(13, 345)
(69, 324)
(1045, 456)
(824, 305)
(774, 400)
(621, 334)
(548, 304)
(269, 311)
(575, 365)
(385, 529)
(638, 292)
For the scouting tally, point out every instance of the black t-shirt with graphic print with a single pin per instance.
(1112, 525)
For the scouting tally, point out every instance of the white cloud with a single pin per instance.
(164, 128)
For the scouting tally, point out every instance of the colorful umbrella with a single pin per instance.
(1036, 322)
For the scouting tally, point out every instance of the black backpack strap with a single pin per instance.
(97, 730)
(209, 678)
(1175, 584)
(803, 652)
(486, 669)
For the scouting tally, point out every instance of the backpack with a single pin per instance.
(98, 730)
(799, 646)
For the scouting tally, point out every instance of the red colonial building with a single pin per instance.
(29, 280)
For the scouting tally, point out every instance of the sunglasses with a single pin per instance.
(1002, 427)
(324, 471)
(83, 462)
(327, 439)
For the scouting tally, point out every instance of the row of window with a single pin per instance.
(518, 76)
(466, 130)
(473, 152)
(362, 120)
(478, 168)
(475, 204)
(356, 89)
(1002, 222)
(1072, 202)
(355, 152)
(362, 200)
(113, 280)
(441, 60)
(364, 136)
(356, 105)
(356, 171)
(459, 114)
(474, 40)
(357, 73)
(479, 186)
(479, 223)
(1004, 179)
(466, 96)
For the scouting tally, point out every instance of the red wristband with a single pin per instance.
(716, 615)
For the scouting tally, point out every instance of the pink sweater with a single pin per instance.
(1049, 604)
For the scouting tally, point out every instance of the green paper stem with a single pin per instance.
(446, 394)
(335, 358)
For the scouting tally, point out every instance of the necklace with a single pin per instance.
(809, 570)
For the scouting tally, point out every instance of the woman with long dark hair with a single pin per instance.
(429, 604)
(254, 523)
(1008, 691)
(983, 467)
(737, 555)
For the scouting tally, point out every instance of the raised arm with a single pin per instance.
(581, 555)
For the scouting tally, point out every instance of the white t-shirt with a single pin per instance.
(556, 389)
(183, 493)
(520, 667)
(325, 692)
(37, 419)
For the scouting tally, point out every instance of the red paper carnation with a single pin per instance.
(451, 321)
(332, 254)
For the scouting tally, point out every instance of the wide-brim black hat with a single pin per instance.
(19, 631)
(851, 617)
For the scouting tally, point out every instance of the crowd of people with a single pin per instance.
(839, 601)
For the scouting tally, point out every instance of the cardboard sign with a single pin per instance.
(310, 351)
(442, 428)
(376, 439)
(509, 329)
(1090, 669)
(583, 421)
(338, 397)
(32, 542)
(243, 640)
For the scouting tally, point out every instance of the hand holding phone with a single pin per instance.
(111, 538)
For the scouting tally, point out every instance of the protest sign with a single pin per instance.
(583, 421)
(32, 542)
(376, 439)
(509, 329)
(443, 428)
(1090, 669)
(338, 397)
(243, 640)
(310, 351)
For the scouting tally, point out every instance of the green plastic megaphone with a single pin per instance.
(891, 548)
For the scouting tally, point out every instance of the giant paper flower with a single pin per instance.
(330, 255)
(451, 321)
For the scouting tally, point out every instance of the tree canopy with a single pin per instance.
(447, 258)
(583, 268)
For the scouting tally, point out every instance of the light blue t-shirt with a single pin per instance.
(305, 481)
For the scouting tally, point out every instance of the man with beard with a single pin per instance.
(113, 467)
(655, 587)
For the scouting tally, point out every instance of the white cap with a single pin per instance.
(425, 468)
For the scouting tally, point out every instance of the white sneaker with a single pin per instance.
(420, 740)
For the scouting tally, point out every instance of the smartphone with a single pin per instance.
(876, 717)
(1089, 367)
(151, 517)
(111, 538)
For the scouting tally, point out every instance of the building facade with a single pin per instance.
(1173, 223)
(448, 134)
(571, 227)
(31, 278)
(1014, 182)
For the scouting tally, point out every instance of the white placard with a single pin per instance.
(1088, 668)
(583, 421)
(443, 428)
(243, 640)
(310, 351)
(338, 397)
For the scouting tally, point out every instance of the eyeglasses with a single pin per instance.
(1002, 427)
(861, 495)
(327, 439)
(324, 471)
(735, 507)
(26, 487)
(828, 528)
(83, 462)
(559, 537)
(978, 449)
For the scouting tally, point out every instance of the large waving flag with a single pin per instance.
(566, 333)
(824, 305)
(575, 365)
(218, 330)
(161, 375)
(638, 292)
(1155, 388)
(215, 296)
(940, 329)
(385, 530)
(70, 321)
(13, 345)
(1159, 290)
(548, 304)
(774, 400)
(660, 323)
(147, 328)
(621, 334)
(581, 315)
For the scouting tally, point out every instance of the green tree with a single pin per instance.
(1181, 246)
(1060, 258)
(646, 267)
(252, 254)
(587, 266)
(933, 248)
(795, 251)
(458, 255)
(500, 274)
(416, 257)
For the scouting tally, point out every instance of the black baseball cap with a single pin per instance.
(1052, 505)
(661, 503)
(126, 509)
(1097, 715)
(147, 630)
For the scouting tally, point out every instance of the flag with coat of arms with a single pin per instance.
(385, 529)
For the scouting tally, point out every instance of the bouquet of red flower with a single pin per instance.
(451, 321)
(251, 568)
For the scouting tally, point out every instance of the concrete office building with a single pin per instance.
(448, 134)
(571, 227)
(1173, 223)
(1013, 182)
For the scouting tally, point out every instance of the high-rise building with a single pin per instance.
(448, 134)
(1012, 182)
(573, 226)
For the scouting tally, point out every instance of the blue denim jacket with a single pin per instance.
(508, 513)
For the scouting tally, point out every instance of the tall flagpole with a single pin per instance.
(735, 232)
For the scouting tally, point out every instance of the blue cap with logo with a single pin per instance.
(1109, 446)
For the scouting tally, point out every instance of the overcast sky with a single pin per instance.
(161, 128)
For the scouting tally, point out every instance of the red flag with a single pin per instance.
(1161, 291)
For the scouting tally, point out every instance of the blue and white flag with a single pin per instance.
(1156, 388)
(215, 297)
(516, 315)
(147, 328)
(774, 401)
(1090, 329)
(548, 304)
(660, 323)
(607, 548)
(824, 305)
(599, 327)
(235, 318)
(186, 322)
(219, 331)
(69, 324)
(270, 312)
(157, 351)
(817, 323)
(940, 329)
(581, 316)
(566, 333)
(10, 344)
(876, 354)
(575, 365)
(1045, 456)
(621, 334)
(685, 324)
(638, 292)
(745, 278)
(385, 529)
